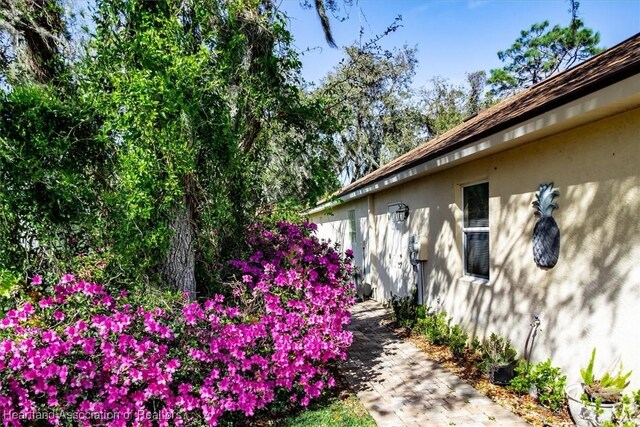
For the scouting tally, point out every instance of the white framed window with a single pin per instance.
(475, 230)
(352, 229)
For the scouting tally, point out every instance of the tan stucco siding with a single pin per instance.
(333, 225)
(590, 299)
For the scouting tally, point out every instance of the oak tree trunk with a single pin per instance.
(179, 265)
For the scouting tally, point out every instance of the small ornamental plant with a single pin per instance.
(543, 381)
(606, 389)
(86, 356)
(498, 359)
(599, 401)
(405, 310)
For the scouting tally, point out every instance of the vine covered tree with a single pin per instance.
(193, 93)
(33, 37)
(154, 148)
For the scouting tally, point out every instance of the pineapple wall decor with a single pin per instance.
(546, 234)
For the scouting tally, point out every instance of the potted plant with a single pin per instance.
(592, 402)
(498, 359)
(627, 412)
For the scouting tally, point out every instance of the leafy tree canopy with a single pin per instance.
(371, 91)
(542, 51)
(446, 105)
(159, 144)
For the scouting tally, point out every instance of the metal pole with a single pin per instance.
(420, 290)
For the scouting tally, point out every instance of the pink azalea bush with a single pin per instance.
(83, 356)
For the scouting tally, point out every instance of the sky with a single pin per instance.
(453, 37)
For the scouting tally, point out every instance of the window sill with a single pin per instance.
(479, 281)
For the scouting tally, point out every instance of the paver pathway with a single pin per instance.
(400, 386)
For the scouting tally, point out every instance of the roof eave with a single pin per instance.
(609, 100)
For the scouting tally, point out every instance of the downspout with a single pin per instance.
(417, 257)
(419, 269)
(420, 283)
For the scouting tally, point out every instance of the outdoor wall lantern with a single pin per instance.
(402, 213)
(546, 234)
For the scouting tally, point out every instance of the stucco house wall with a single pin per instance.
(334, 226)
(592, 296)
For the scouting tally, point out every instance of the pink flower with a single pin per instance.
(36, 280)
(185, 388)
(172, 365)
(125, 356)
(45, 302)
(67, 278)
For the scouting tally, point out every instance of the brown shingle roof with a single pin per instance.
(611, 66)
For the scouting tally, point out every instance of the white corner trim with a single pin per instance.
(614, 99)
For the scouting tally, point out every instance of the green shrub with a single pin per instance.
(438, 330)
(457, 340)
(496, 351)
(421, 326)
(522, 382)
(548, 381)
(435, 327)
(476, 345)
(405, 310)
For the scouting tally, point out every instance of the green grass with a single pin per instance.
(337, 407)
(336, 412)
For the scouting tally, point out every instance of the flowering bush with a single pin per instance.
(82, 356)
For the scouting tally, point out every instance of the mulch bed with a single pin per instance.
(465, 367)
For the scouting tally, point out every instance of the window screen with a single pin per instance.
(352, 229)
(476, 230)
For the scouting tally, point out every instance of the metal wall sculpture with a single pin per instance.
(546, 234)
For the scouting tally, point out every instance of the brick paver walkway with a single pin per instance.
(400, 386)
